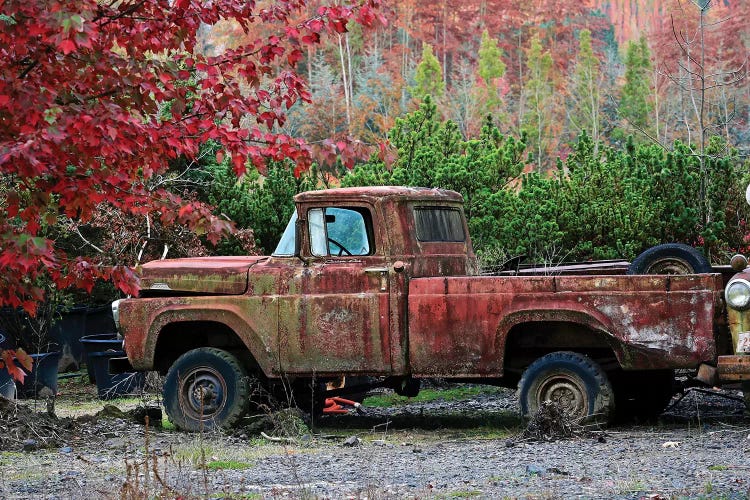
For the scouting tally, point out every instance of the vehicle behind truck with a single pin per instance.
(380, 285)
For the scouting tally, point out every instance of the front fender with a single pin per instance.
(143, 320)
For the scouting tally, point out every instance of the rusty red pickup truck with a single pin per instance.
(381, 284)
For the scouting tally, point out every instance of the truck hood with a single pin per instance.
(211, 275)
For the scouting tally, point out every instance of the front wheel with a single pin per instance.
(573, 381)
(206, 388)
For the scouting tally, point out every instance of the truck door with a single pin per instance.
(336, 317)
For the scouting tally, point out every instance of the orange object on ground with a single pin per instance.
(335, 405)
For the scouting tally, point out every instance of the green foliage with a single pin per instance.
(456, 393)
(227, 465)
(635, 107)
(491, 68)
(429, 75)
(538, 90)
(263, 204)
(433, 153)
(597, 203)
(617, 203)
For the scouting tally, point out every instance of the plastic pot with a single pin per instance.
(100, 342)
(43, 375)
(110, 386)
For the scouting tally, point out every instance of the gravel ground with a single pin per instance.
(700, 448)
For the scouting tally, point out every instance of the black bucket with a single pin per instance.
(100, 342)
(110, 386)
(43, 375)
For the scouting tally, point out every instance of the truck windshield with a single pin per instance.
(285, 248)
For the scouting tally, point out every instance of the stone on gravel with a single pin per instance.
(352, 441)
(30, 445)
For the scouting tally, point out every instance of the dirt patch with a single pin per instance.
(21, 428)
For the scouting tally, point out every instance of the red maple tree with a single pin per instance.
(98, 97)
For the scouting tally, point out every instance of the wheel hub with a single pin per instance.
(566, 393)
(671, 265)
(204, 393)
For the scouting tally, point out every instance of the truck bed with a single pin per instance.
(459, 325)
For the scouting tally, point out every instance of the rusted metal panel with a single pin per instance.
(734, 368)
(216, 275)
(334, 314)
(458, 325)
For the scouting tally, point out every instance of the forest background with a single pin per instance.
(575, 130)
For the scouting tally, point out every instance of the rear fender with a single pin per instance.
(584, 321)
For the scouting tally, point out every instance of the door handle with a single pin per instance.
(383, 272)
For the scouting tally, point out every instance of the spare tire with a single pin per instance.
(670, 258)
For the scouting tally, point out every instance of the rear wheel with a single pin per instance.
(206, 388)
(573, 381)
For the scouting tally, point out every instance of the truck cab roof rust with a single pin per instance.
(378, 193)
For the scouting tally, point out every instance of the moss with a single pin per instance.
(227, 464)
(427, 395)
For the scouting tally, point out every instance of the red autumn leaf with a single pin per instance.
(24, 359)
(8, 360)
(67, 46)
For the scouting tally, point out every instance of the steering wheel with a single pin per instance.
(342, 248)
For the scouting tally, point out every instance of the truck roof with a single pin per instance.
(373, 193)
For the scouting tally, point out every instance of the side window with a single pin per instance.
(340, 231)
(439, 224)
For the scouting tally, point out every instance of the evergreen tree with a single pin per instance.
(429, 76)
(263, 204)
(635, 107)
(491, 69)
(586, 100)
(538, 93)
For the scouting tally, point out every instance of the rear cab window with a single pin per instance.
(439, 224)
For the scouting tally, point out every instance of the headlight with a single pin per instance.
(116, 313)
(737, 294)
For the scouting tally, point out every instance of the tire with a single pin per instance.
(670, 258)
(216, 373)
(642, 395)
(574, 381)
